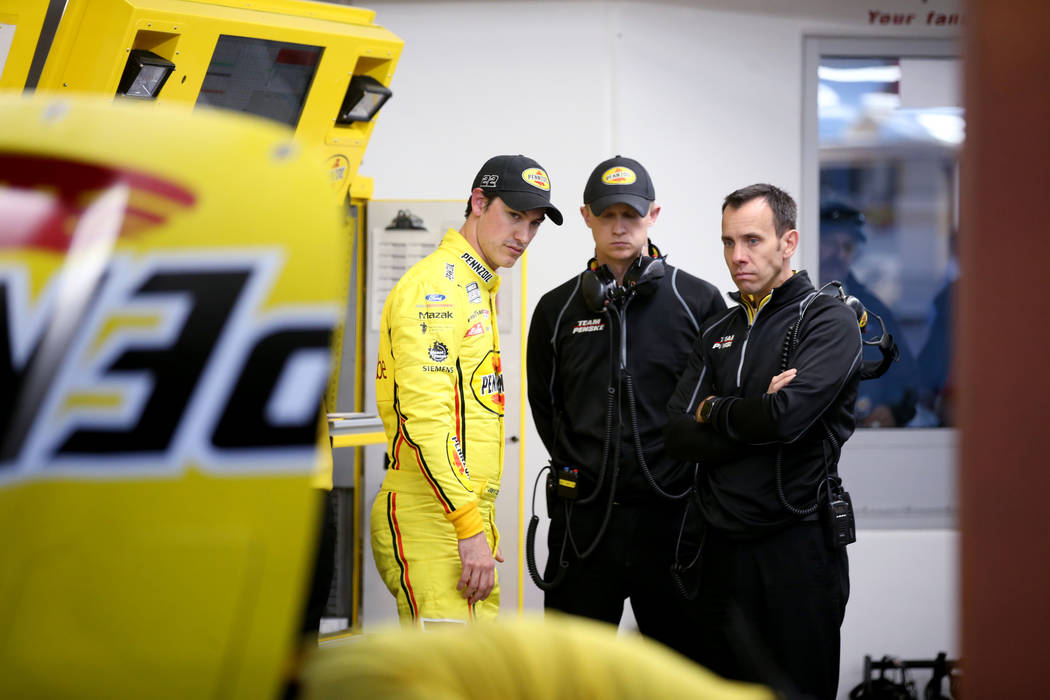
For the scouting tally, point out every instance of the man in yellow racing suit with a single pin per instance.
(439, 390)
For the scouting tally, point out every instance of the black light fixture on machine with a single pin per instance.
(364, 97)
(144, 75)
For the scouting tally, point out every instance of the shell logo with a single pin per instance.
(619, 176)
(537, 178)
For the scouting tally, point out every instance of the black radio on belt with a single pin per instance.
(840, 526)
(568, 479)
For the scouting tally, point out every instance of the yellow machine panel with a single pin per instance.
(170, 282)
(20, 24)
(293, 61)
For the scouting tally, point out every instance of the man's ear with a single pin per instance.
(654, 212)
(585, 212)
(477, 201)
(790, 239)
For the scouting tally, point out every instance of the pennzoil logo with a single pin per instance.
(338, 167)
(477, 266)
(458, 459)
(41, 211)
(537, 178)
(619, 175)
(130, 364)
(487, 383)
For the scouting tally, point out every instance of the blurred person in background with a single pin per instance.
(890, 400)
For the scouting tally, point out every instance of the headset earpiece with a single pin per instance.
(858, 308)
(852, 302)
(869, 369)
(635, 271)
(644, 270)
(598, 286)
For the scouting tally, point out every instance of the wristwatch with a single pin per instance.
(705, 409)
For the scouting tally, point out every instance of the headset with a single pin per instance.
(599, 288)
(872, 369)
(600, 291)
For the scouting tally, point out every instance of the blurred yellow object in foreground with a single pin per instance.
(169, 283)
(550, 658)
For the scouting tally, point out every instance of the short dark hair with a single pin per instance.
(785, 211)
(488, 201)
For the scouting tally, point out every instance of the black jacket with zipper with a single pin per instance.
(734, 360)
(572, 382)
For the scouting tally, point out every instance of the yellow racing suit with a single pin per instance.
(439, 390)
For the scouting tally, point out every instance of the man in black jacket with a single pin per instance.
(766, 418)
(604, 352)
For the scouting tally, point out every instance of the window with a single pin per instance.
(888, 130)
(266, 78)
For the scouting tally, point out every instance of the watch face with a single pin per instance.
(705, 410)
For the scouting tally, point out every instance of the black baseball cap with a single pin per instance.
(619, 179)
(519, 181)
(839, 216)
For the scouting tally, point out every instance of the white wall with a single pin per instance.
(707, 95)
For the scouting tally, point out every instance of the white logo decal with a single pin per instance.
(153, 372)
(588, 325)
(724, 343)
